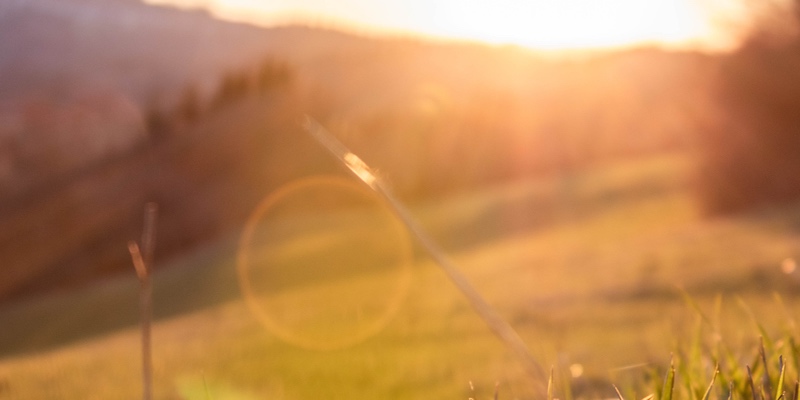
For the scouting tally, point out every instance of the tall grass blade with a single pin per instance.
(499, 326)
(142, 257)
(779, 392)
(669, 382)
(752, 385)
(550, 385)
(619, 395)
(711, 385)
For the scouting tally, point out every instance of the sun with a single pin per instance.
(567, 24)
(538, 24)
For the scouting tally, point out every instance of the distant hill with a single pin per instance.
(60, 46)
(83, 79)
(78, 78)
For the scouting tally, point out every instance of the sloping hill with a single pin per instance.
(77, 161)
(142, 51)
(82, 80)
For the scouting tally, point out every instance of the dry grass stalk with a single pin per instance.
(499, 326)
(142, 257)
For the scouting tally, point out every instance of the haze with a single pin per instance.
(538, 24)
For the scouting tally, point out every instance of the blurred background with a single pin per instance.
(585, 163)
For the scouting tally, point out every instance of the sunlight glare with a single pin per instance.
(571, 23)
(542, 24)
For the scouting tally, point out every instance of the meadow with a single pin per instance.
(592, 268)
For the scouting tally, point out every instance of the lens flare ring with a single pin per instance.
(395, 237)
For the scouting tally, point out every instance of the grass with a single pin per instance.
(586, 271)
(706, 365)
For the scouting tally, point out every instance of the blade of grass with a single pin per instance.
(779, 392)
(669, 382)
(499, 326)
(619, 395)
(752, 385)
(142, 258)
(711, 385)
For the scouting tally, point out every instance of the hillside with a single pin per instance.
(80, 79)
(61, 47)
(79, 155)
(589, 285)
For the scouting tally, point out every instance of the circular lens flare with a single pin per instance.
(323, 263)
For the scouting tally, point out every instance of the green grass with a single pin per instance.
(707, 364)
(585, 269)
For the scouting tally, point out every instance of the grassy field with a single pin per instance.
(586, 267)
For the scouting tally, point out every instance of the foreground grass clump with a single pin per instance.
(705, 366)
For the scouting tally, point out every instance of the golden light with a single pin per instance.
(323, 263)
(538, 24)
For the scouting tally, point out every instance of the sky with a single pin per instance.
(538, 24)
